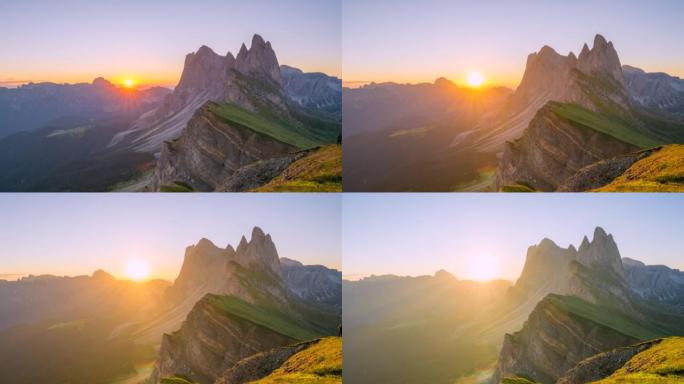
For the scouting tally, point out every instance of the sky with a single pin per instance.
(419, 41)
(418, 234)
(76, 234)
(147, 40)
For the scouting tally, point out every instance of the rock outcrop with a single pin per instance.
(550, 76)
(211, 150)
(553, 341)
(567, 271)
(262, 364)
(210, 341)
(208, 76)
(602, 172)
(553, 149)
(603, 364)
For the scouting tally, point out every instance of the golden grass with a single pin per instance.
(662, 171)
(661, 364)
(319, 171)
(318, 364)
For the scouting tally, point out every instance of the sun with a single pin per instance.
(475, 79)
(128, 83)
(137, 269)
(483, 268)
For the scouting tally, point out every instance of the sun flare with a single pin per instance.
(483, 268)
(475, 79)
(128, 83)
(137, 269)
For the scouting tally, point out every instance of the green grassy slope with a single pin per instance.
(605, 316)
(301, 134)
(319, 364)
(262, 315)
(319, 171)
(661, 364)
(662, 171)
(608, 124)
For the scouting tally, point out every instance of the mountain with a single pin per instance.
(568, 304)
(655, 90)
(594, 81)
(416, 329)
(593, 309)
(33, 106)
(585, 114)
(315, 91)
(67, 147)
(314, 284)
(81, 329)
(400, 137)
(656, 283)
(228, 113)
(228, 304)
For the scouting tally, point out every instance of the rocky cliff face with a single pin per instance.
(314, 284)
(210, 341)
(233, 302)
(592, 80)
(211, 150)
(656, 283)
(261, 365)
(551, 269)
(553, 149)
(316, 91)
(655, 90)
(553, 341)
(251, 78)
(603, 364)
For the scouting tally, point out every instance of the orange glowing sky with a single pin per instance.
(146, 41)
(414, 42)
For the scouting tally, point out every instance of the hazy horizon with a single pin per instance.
(452, 38)
(147, 41)
(77, 234)
(419, 234)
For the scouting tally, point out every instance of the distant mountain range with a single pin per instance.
(568, 113)
(228, 116)
(568, 305)
(226, 305)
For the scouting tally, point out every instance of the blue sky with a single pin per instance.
(74, 234)
(417, 234)
(78, 40)
(414, 41)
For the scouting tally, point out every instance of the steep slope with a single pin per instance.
(314, 284)
(318, 170)
(234, 303)
(597, 120)
(313, 362)
(594, 80)
(661, 363)
(661, 170)
(228, 114)
(597, 311)
(560, 332)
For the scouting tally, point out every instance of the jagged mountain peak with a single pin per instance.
(599, 41)
(259, 60)
(600, 233)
